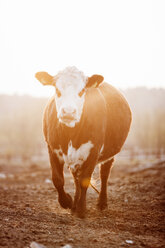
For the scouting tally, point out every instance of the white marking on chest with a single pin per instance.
(75, 158)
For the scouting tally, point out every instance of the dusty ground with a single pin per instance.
(29, 210)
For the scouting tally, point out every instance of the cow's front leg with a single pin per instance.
(83, 183)
(77, 191)
(64, 199)
(104, 174)
(82, 177)
(81, 202)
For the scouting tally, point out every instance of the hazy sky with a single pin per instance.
(124, 40)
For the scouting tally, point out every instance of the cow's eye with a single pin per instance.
(58, 92)
(82, 92)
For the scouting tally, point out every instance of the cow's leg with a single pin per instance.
(83, 183)
(64, 199)
(82, 179)
(104, 174)
(81, 202)
(77, 191)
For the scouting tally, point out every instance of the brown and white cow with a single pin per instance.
(85, 123)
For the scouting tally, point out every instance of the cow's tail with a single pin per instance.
(94, 188)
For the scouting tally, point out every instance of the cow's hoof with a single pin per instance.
(102, 205)
(73, 209)
(80, 215)
(80, 212)
(66, 201)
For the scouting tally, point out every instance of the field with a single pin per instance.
(29, 209)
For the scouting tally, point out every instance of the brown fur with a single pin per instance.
(105, 120)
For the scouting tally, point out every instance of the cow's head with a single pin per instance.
(70, 89)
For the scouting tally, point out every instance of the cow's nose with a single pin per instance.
(68, 111)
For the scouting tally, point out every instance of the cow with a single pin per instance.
(85, 124)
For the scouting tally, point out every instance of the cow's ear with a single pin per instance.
(94, 81)
(45, 78)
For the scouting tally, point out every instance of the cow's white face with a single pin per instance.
(70, 95)
(70, 88)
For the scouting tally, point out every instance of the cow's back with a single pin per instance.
(118, 120)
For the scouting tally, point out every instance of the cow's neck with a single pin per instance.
(67, 134)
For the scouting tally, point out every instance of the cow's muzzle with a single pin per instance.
(67, 118)
(68, 115)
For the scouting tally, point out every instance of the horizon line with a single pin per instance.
(49, 95)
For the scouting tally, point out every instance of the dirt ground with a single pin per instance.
(29, 210)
